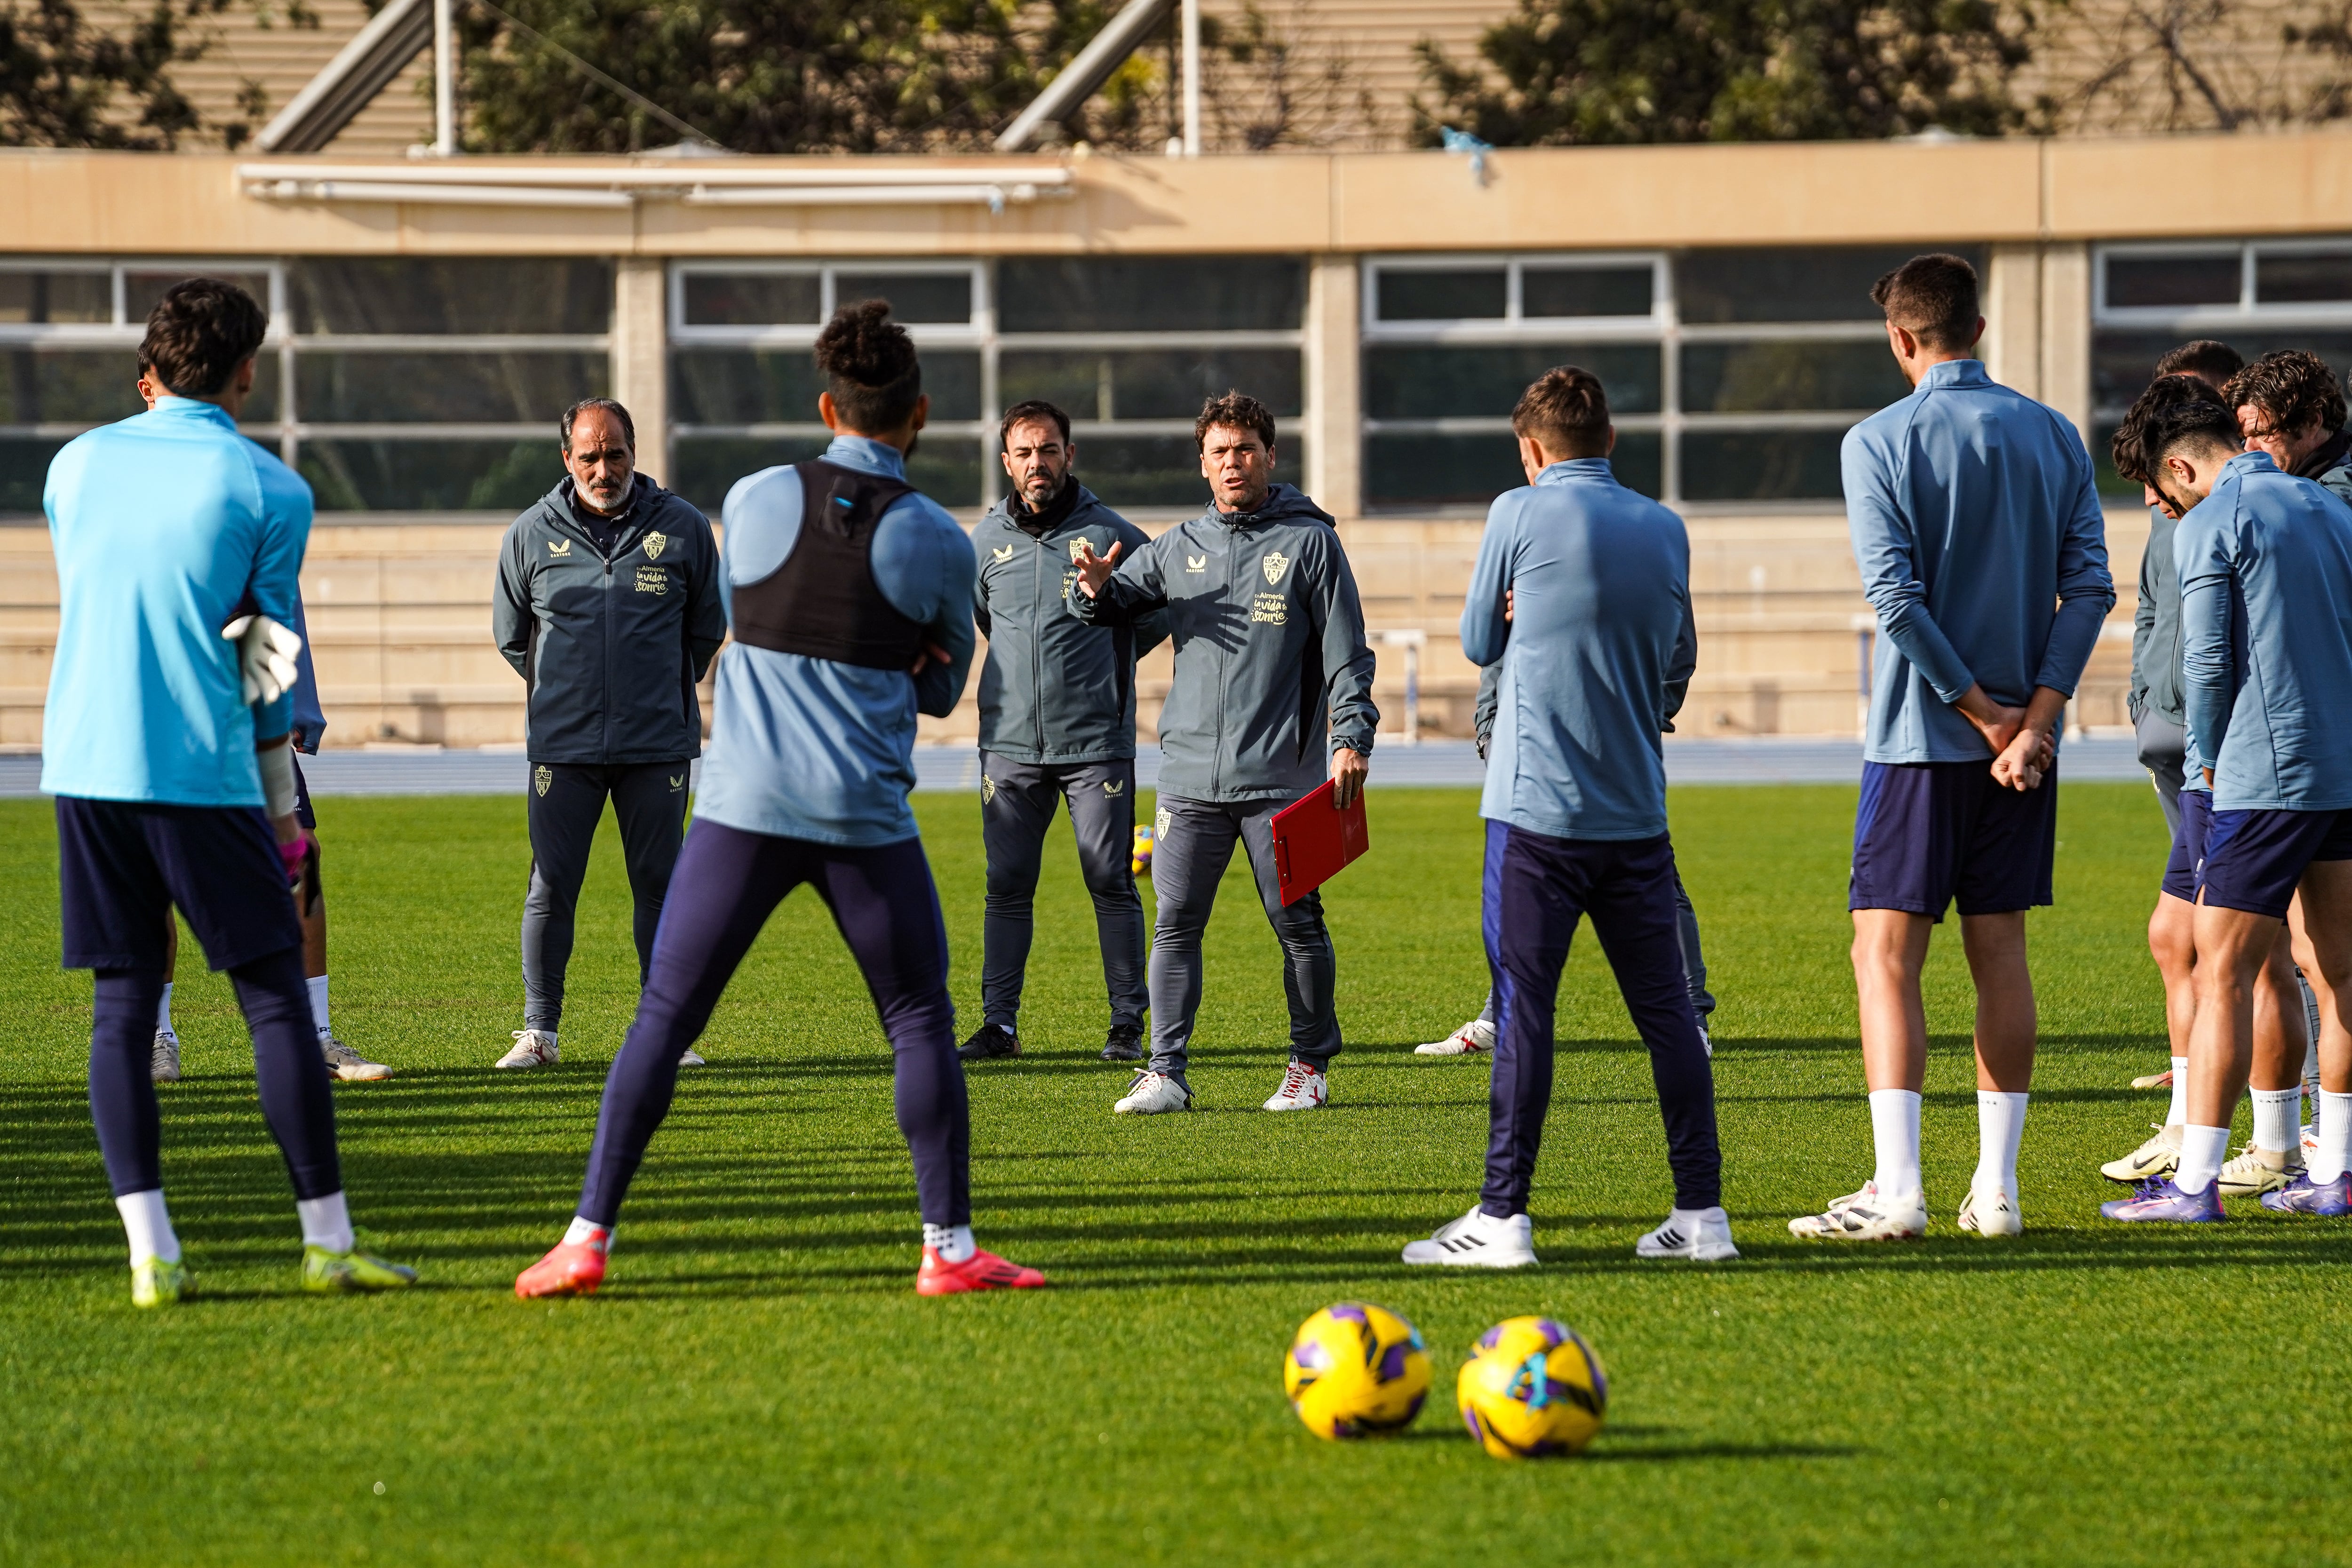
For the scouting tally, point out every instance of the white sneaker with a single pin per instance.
(2258, 1171)
(1152, 1093)
(348, 1065)
(1478, 1240)
(693, 1058)
(2156, 1157)
(1703, 1236)
(533, 1048)
(1866, 1216)
(1304, 1087)
(1475, 1038)
(164, 1066)
(1991, 1212)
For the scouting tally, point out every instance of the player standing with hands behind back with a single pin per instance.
(1983, 549)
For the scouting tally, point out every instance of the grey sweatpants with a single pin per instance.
(1016, 806)
(566, 801)
(1193, 845)
(1702, 1000)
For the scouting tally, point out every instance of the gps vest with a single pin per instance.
(823, 602)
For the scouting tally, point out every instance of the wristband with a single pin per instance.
(277, 765)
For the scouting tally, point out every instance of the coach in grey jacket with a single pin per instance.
(1056, 723)
(1272, 693)
(608, 607)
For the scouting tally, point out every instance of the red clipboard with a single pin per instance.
(1312, 841)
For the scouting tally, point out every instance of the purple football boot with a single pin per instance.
(2330, 1200)
(2161, 1200)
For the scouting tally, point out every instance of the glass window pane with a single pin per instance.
(25, 471)
(2159, 280)
(56, 297)
(1153, 471)
(42, 386)
(2313, 277)
(498, 475)
(1826, 284)
(1153, 384)
(1433, 382)
(496, 387)
(1585, 290)
(2111, 483)
(1402, 470)
(1150, 294)
(913, 296)
(705, 467)
(751, 300)
(1758, 377)
(780, 387)
(2122, 363)
(399, 294)
(1410, 294)
(141, 290)
(1761, 465)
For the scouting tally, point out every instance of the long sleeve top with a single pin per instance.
(1983, 549)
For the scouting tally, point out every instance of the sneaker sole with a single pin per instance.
(1523, 1260)
(1872, 1233)
(1279, 1110)
(1707, 1252)
(1448, 1051)
(361, 1075)
(2166, 1169)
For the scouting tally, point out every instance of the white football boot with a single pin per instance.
(1475, 1038)
(164, 1066)
(1701, 1236)
(1304, 1087)
(1991, 1212)
(533, 1048)
(1152, 1093)
(1478, 1240)
(693, 1058)
(2258, 1171)
(1865, 1216)
(348, 1065)
(2159, 1157)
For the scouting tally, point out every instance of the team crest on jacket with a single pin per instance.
(541, 777)
(1275, 565)
(654, 544)
(1079, 546)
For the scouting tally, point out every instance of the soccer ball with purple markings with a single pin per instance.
(1356, 1371)
(1532, 1387)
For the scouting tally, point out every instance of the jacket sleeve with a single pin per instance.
(1347, 662)
(980, 590)
(1883, 548)
(1133, 592)
(1152, 626)
(1490, 698)
(510, 615)
(276, 585)
(2086, 590)
(2142, 623)
(1484, 633)
(2207, 673)
(706, 616)
(1682, 663)
(940, 686)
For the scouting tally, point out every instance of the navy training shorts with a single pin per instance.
(2187, 858)
(1928, 833)
(123, 866)
(2254, 859)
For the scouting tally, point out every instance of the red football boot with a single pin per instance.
(982, 1270)
(571, 1268)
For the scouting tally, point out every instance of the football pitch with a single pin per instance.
(759, 1381)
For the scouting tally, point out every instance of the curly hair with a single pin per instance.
(199, 333)
(1566, 411)
(1234, 411)
(2293, 390)
(2133, 461)
(870, 367)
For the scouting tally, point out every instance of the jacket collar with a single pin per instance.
(866, 456)
(193, 408)
(2245, 463)
(1955, 372)
(2328, 454)
(1003, 514)
(1572, 468)
(1283, 503)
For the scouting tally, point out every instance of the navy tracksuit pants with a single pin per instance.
(727, 883)
(1537, 888)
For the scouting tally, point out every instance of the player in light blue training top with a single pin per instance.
(2265, 563)
(177, 544)
(1982, 547)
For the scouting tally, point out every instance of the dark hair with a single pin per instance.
(2208, 359)
(1566, 411)
(2295, 391)
(603, 406)
(2134, 461)
(1933, 298)
(870, 367)
(1023, 413)
(1234, 411)
(2202, 423)
(199, 333)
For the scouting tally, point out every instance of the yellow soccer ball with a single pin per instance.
(1532, 1387)
(1140, 862)
(1356, 1371)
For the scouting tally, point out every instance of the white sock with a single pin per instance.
(318, 984)
(326, 1222)
(2001, 1127)
(147, 1226)
(1689, 1220)
(588, 1232)
(2276, 1126)
(163, 1012)
(2202, 1150)
(953, 1243)
(2335, 1151)
(2177, 1116)
(1895, 1129)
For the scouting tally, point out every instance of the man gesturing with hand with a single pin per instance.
(1273, 677)
(1983, 549)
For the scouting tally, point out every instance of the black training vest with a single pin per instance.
(823, 602)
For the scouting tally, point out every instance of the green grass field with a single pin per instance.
(760, 1383)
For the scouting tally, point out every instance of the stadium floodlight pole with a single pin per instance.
(1191, 78)
(445, 78)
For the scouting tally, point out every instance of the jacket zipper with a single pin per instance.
(1037, 644)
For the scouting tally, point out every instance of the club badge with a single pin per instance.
(1275, 565)
(1078, 547)
(1160, 825)
(541, 777)
(654, 544)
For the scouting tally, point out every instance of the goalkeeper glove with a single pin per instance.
(265, 656)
